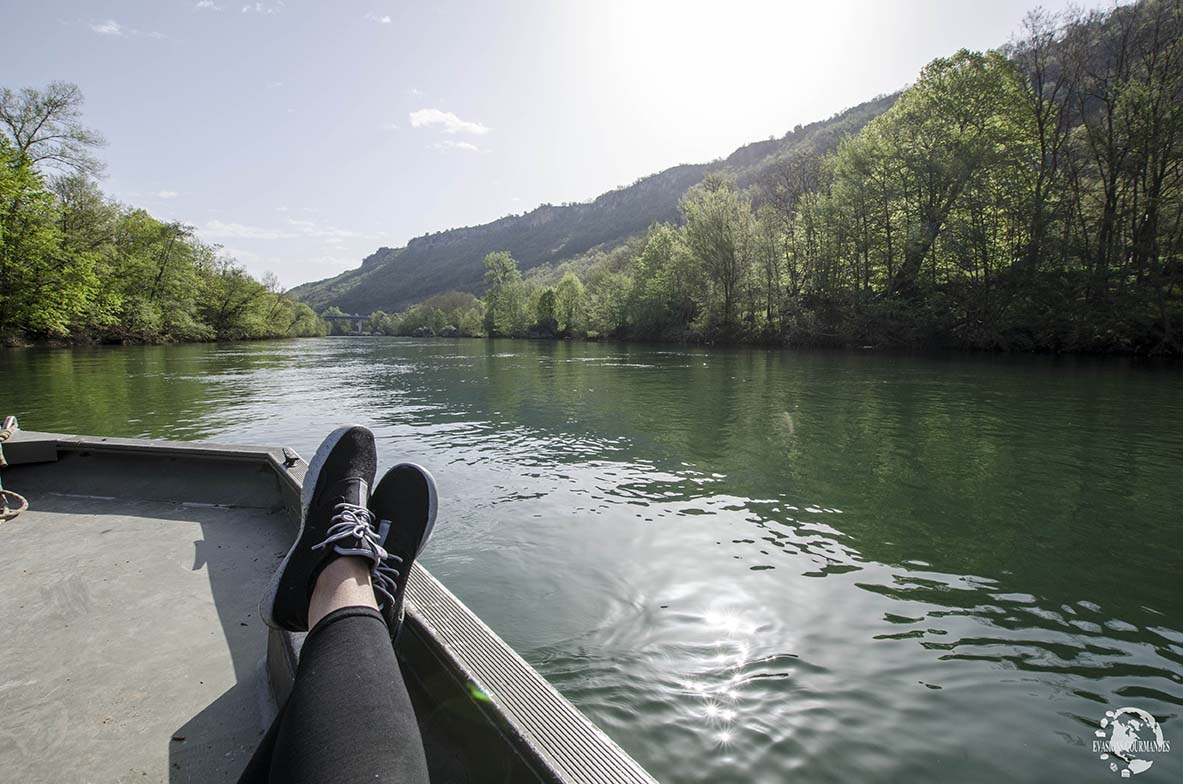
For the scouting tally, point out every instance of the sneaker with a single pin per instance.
(404, 504)
(334, 521)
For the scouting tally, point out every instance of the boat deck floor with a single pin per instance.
(132, 649)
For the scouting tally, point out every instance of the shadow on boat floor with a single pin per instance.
(138, 650)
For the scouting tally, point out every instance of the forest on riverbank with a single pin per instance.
(75, 265)
(1029, 198)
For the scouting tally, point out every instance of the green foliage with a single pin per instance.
(471, 323)
(377, 323)
(1031, 199)
(76, 264)
(607, 306)
(337, 326)
(568, 310)
(543, 302)
(451, 313)
(665, 280)
(718, 233)
(38, 286)
(506, 313)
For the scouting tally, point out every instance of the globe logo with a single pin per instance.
(1127, 738)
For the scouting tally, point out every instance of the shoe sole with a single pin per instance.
(267, 603)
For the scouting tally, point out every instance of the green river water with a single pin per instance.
(751, 565)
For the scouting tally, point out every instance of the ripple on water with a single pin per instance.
(750, 566)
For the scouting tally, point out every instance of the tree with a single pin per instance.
(664, 285)
(87, 223)
(717, 234)
(1052, 81)
(569, 303)
(946, 130)
(44, 127)
(75, 263)
(545, 322)
(37, 293)
(377, 322)
(229, 299)
(608, 303)
(304, 322)
(505, 300)
(471, 321)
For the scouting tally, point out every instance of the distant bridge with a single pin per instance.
(358, 321)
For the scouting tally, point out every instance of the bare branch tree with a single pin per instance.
(45, 127)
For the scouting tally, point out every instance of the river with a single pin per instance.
(748, 565)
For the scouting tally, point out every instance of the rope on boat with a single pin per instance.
(11, 504)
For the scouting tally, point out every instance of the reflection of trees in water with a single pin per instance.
(1014, 470)
(153, 391)
(975, 466)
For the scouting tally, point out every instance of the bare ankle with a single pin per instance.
(343, 583)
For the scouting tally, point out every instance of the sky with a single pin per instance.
(302, 135)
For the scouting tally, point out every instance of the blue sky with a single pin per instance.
(303, 134)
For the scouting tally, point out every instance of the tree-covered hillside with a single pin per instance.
(392, 278)
(1026, 198)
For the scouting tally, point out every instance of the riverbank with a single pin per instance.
(88, 341)
(616, 299)
(819, 344)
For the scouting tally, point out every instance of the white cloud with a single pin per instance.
(380, 19)
(208, 4)
(295, 228)
(309, 228)
(109, 27)
(414, 92)
(113, 28)
(273, 85)
(217, 228)
(263, 8)
(446, 121)
(448, 144)
(167, 194)
(389, 126)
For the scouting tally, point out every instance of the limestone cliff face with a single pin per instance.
(391, 279)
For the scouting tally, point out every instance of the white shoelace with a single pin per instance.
(351, 532)
(385, 578)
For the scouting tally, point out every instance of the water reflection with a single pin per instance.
(751, 566)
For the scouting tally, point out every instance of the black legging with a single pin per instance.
(348, 718)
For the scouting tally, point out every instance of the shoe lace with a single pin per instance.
(351, 532)
(384, 578)
(350, 521)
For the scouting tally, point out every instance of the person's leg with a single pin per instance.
(344, 583)
(349, 718)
